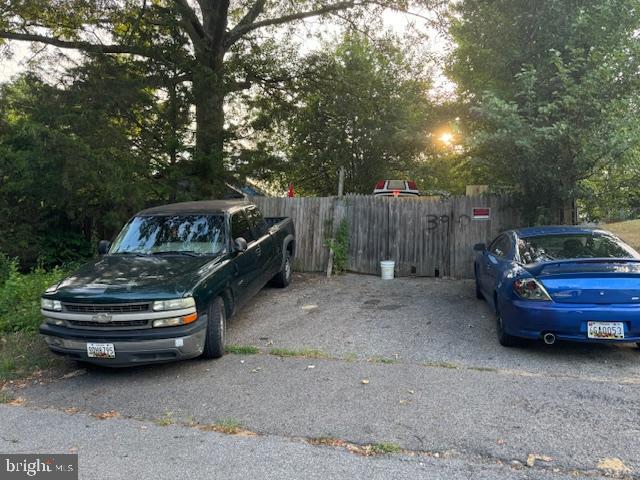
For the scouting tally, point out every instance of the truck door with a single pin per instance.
(266, 243)
(247, 263)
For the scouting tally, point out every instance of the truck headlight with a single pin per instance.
(48, 304)
(174, 304)
(175, 322)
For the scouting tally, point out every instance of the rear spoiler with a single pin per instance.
(537, 268)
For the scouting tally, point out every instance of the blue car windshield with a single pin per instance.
(179, 234)
(544, 248)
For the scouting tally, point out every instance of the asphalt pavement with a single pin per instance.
(411, 364)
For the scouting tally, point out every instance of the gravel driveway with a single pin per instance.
(410, 364)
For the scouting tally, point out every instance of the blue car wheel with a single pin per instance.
(479, 295)
(504, 338)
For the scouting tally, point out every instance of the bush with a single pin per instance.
(6, 266)
(340, 246)
(20, 297)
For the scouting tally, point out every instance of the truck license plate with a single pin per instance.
(605, 330)
(101, 350)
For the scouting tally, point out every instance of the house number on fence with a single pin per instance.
(434, 221)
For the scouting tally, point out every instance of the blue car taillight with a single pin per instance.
(530, 289)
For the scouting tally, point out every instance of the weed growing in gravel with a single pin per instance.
(380, 359)
(350, 357)
(385, 447)
(441, 365)
(5, 397)
(229, 425)
(305, 352)
(165, 420)
(242, 349)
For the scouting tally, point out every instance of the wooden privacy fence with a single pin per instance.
(424, 236)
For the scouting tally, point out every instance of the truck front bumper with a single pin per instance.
(132, 347)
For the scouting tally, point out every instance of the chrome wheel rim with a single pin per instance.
(223, 324)
(287, 268)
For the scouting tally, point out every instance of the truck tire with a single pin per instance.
(216, 329)
(283, 277)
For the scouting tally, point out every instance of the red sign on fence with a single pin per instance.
(481, 213)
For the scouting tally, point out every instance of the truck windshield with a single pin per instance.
(166, 234)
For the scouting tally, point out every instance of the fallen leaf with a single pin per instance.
(532, 458)
(75, 373)
(16, 402)
(72, 410)
(613, 465)
(107, 415)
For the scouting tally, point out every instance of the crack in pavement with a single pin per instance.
(363, 450)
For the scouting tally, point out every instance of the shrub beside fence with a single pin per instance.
(424, 236)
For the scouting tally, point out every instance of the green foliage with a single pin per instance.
(553, 92)
(340, 246)
(22, 353)
(20, 297)
(76, 162)
(7, 265)
(361, 105)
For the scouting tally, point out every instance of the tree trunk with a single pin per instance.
(208, 92)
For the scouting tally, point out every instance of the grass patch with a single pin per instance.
(304, 352)
(629, 231)
(452, 366)
(380, 359)
(385, 447)
(23, 353)
(165, 420)
(350, 357)
(483, 369)
(230, 426)
(5, 397)
(242, 349)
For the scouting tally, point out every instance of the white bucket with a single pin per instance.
(387, 267)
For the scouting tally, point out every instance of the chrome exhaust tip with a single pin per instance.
(549, 338)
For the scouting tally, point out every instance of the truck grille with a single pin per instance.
(110, 325)
(113, 308)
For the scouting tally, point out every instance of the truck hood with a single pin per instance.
(116, 278)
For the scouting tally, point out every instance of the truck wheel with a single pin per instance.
(283, 277)
(216, 330)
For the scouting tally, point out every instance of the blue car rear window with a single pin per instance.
(544, 248)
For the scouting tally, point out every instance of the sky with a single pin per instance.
(22, 53)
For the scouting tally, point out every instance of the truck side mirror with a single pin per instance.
(240, 244)
(479, 247)
(103, 247)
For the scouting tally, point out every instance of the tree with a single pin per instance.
(552, 88)
(191, 39)
(361, 105)
(76, 162)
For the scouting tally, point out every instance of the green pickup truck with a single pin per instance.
(165, 288)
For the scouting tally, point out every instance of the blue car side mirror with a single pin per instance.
(479, 247)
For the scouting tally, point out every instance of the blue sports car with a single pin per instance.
(569, 283)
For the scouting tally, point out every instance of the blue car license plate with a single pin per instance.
(605, 330)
